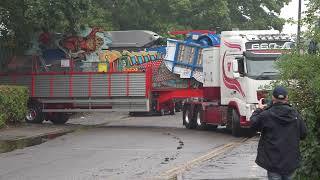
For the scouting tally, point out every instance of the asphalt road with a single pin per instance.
(120, 147)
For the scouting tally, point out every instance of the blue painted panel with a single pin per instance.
(146, 58)
(140, 60)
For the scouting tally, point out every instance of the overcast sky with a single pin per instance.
(291, 11)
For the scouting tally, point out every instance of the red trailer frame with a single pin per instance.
(166, 97)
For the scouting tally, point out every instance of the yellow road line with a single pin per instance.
(173, 172)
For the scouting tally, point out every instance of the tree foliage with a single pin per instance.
(164, 15)
(301, 74)
(21, 18)
(13, 106)
(252, 14)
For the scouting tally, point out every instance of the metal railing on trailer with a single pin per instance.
(86, 91)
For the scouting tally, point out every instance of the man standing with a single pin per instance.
(281, 129)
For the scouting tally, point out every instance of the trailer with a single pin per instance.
(54, 94)
(233, 73)
(91, 74)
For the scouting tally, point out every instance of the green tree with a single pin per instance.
(21, 18)
(152, 15)
(164, 15)
(201, 14)
(304, 93)
(252, 14)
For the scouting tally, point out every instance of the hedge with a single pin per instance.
(13, 104)
(304, 94)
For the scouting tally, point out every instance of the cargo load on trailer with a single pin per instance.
(94, 71)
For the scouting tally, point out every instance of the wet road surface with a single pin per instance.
(237, 164)
(124, 148)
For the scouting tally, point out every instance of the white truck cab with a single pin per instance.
(247, 64)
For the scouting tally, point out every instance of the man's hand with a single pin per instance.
(261, 105)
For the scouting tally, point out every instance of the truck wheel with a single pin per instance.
(178, 106)
(172, 112)
(34, 114)
(234, 122)
(162, 112)
(188, 121)
(59, 118)
(198, 118)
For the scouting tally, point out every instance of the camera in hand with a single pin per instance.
(265, 101)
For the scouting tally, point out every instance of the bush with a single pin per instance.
(13, 103)
(301, 75)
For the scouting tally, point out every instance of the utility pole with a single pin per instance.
(299, 24)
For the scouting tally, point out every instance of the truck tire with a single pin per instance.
(198, 118)
(172, 112)
(162, 112)
(188, 120)
(234, 122)
(59, 118)
(178, 106)
(34, 114)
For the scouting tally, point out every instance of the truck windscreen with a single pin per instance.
(262, 68)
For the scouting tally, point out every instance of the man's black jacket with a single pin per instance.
(281, 129)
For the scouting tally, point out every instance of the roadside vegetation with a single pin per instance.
(300, 72)
(304, 94)
(13, 104)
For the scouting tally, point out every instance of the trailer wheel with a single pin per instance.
(198, 118)
(59, 118)
(234, 122)
(188, 119)
(34, 114)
